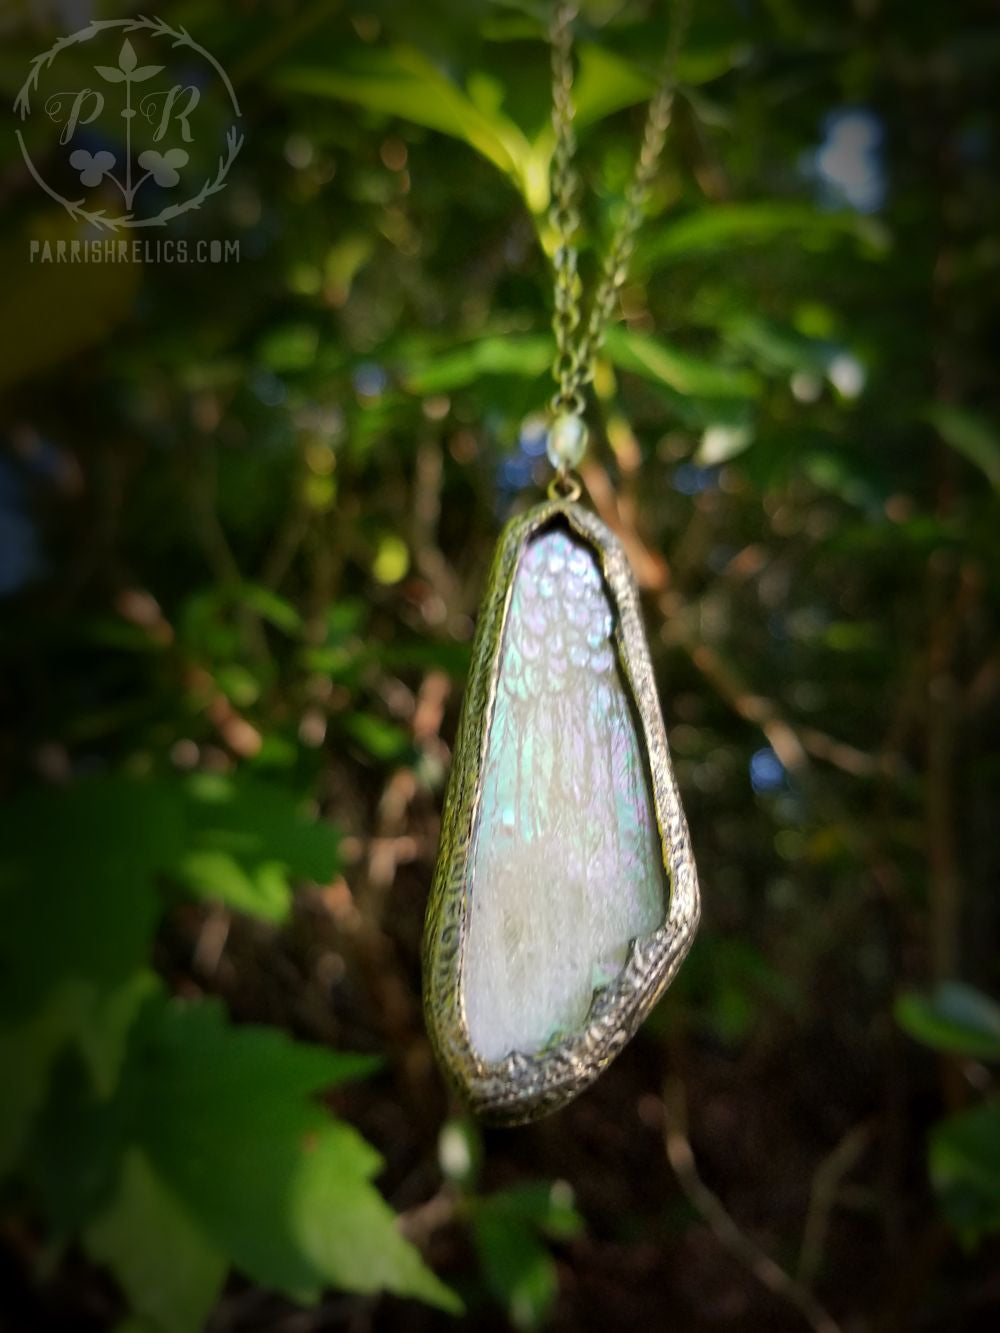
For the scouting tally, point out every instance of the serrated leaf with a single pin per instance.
(166, 1266)
(77, 1015)
(349, 1231)
(227, 1119)
(955, 1018)
(965, 1170)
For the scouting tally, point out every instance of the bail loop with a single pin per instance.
(565, 486)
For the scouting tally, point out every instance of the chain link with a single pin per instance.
(573, 367)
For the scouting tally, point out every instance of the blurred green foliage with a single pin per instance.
(246, 511)
(175, 1143)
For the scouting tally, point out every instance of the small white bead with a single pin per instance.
(567, 441)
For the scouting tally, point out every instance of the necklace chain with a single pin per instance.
(573, 367)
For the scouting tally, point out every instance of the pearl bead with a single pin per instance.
(567, 441)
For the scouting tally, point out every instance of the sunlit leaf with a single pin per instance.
(402, 81)
(720, 442)
(606, 83)
(227, 1119)
(247, 841)
(167, 1267)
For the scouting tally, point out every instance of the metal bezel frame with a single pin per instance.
(523, 1087)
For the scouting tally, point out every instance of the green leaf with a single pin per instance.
(26, 1055)
(956, 1019)
(247, 841)
(74, 1152)
(383, 740)
(227, 1120)
(78, 871)
(605, 83)
(547, 1205)
(971, 435)
(262, 891)
(402, 81)
(76, 891)
(965, 1170)
(724, 226)
(679, 371)
(270, 607)
(526, 355)
(290, 347)
(349, 1232)
(238, 684)
(166, 1266)
(94, 1022)
(518, 1268)
(774, 346)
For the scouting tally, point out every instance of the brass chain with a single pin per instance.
(564, 216)
(573, 367)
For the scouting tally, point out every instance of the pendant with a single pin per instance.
(565, 896)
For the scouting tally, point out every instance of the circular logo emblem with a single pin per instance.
(128, 123)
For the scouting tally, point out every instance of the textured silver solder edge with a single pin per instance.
(524, 1087)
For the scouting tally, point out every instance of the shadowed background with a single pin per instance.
(246, 513)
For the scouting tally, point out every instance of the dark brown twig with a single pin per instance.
(715, 1214)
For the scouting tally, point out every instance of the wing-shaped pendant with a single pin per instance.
(565, 895)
